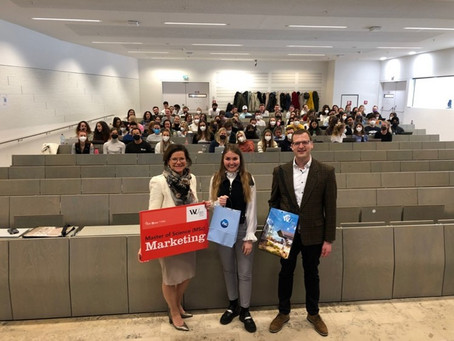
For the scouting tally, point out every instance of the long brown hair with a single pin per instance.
(245, 176)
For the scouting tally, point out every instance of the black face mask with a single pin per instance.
(222, 137)
(115, 136)
(137, 137)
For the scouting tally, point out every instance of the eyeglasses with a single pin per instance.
(177, 159)
(304, 143)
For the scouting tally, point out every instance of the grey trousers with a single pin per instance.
(237, 270)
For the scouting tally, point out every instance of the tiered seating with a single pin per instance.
(390, 198)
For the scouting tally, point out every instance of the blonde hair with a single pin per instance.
(219, 176)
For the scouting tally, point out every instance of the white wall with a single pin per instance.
(48, 81)
(438, 63)
(357, 77)
(154, 72)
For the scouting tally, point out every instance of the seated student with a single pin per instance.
(260, 123)
(359, 134)
(395, 129)
(251, 132)
(278, 134)
(372, 128)
(231, 131)
(118, 124)
(338, 134)
(176, 126)
(286, 144)
(165, 142)
(167, 124)
(203, 135)
(271, 124)
(349, 125)
(194, 126)
(245, 145)
(138, 145)
(154, 133)
(132, 118)
(102, 133)
(384, 134)
(220, 140)
(314, 129)
(127, 138)
(332, 121)
(84, 126)
(82, 146)
(244, 113)
(146, 120)
(266, 141)
(114, 145)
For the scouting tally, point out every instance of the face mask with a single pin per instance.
(268, 138)
(198, 112)
(203, 128)
(114, 136)
(196, 121)
(326, 111)
(137, 137)
(241, 139)
(253, 124)
(82, 138)
(258, 117)
(157, 131)
(272, 123)
(229, 132)
(359, 129)
(372, 123)
(296, 122)
(344, 117)
(222, 137)
(165, 138)
(289, 136)
(384, 128)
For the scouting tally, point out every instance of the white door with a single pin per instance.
(192, 94)
(394, 98)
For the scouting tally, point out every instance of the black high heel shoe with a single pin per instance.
(183, 328)
(186, 315)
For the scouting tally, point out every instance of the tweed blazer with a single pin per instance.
(160, 195)
(317, 212)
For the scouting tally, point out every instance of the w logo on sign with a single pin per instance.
(196, 213)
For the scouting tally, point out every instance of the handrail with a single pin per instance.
(47, 132)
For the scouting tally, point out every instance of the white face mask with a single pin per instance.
(372, 123)
(198, 112)
(268, 138)
(196, 121)
(272, 123)
(253, 124)
(289, 136)
(296, 122)
(203, 128)
(344, 117)
(359, 129)
(82, 138)
(165, 138)
(241, 139)
(258, 117)
(326, 111)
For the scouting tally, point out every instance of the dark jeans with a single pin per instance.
(311, 260)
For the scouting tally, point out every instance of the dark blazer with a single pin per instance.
(317, 213)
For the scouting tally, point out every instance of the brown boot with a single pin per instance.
(319, 325)
(278, 322)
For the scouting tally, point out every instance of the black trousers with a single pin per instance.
(311, 259)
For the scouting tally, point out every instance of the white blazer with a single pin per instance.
(160, 194)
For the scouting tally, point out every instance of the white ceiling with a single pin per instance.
(260, 26)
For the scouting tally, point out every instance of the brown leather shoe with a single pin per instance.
(278, 322)
(319, 325)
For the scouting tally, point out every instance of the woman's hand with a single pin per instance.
(139, 255)
(207, 204)
(223, 200)
(247, 247)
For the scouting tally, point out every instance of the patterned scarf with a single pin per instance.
(179, 186)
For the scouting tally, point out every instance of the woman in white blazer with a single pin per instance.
(174, 187)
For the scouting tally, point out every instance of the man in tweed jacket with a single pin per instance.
(308, 188)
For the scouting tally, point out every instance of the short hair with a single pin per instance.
(301, 132)
(173, 148)
(165, 102)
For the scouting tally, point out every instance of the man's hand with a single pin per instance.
(326, 249)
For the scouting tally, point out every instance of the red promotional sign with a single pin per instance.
(174, 230)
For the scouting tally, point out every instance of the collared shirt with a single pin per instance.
(300, 179)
